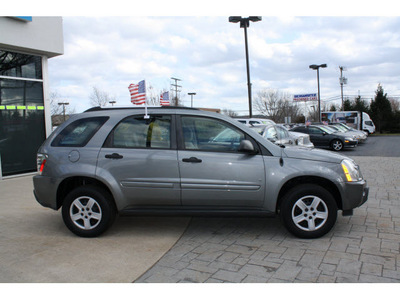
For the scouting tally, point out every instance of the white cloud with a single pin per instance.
(208, 54)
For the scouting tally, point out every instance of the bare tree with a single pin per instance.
(276, 105)
(229, 112)
(55, 108)
(100, 98)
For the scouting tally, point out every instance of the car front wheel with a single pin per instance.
(308, 211)
(88, 211)
(337, 145)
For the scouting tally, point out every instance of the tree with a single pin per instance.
(360, 105)
(56, 110)
(100, 98)
(347, 105)
(381, 110)
(229, 112)
(276, 105)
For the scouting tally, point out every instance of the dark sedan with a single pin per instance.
(323, 136)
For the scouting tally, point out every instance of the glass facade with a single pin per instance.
(22, 120)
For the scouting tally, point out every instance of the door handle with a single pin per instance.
(192, 160)
(114, 156)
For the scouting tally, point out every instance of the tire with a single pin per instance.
(337, 145)
(308, 211)
(88, 211)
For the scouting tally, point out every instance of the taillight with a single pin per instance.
(41, 161)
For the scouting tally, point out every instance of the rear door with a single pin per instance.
(213, 171)
(140, 158)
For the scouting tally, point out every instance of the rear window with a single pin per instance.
(79, 132)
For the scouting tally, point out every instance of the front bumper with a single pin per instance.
(350, 143)
(355, 194)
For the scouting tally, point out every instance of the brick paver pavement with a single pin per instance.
(361, 248)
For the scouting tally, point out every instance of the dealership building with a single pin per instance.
(26, 44)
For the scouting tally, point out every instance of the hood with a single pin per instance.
(312, 154)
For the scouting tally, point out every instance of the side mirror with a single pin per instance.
(246, 146)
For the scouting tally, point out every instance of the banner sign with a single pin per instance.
(305, 97)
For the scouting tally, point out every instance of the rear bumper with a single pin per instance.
(44, 191)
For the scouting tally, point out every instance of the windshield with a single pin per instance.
(345, 126)
(327, 129)
(338, 128)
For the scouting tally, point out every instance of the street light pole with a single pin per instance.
(316, 67)
(244, 23)
(191, 96)
(248, 71)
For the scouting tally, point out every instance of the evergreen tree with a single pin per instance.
(347, 105)
(381, 110)
(360, 105)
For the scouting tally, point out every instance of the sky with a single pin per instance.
(200, 47)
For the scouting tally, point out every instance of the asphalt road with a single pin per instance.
(377, 145)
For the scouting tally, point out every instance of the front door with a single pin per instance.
(213, 171)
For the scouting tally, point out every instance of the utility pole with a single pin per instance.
(176, 86)
(342, 80)
(63, 105)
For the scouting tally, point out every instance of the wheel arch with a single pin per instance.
(320, 181)
(70, 183)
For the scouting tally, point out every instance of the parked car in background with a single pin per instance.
(182, 161)
(323, 136)
(254, 121)
(361, 135)
(301, 139)
(279, 135)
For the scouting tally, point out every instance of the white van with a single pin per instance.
(254, 121)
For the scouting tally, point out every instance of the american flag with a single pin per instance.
(138, 93)
(164, 99)
(308, 123)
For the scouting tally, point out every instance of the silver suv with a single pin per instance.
(105, 162)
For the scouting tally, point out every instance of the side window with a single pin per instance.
(79, 132)
(137, 132)
(300, 129)
(282, 133)
(254, 122)
(210, 134)
(271, 134)
(314, 130)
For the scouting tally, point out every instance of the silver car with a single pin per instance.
(279, 135)
(182, 161)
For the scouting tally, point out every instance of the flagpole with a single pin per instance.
(146, 116)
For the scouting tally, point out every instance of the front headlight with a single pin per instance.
(351, 170)
(348, 140)
(300, 140)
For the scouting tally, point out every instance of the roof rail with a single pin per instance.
(98, 108)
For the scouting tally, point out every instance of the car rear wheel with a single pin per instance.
(337, 145)
(88, 211)
(308, 211)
